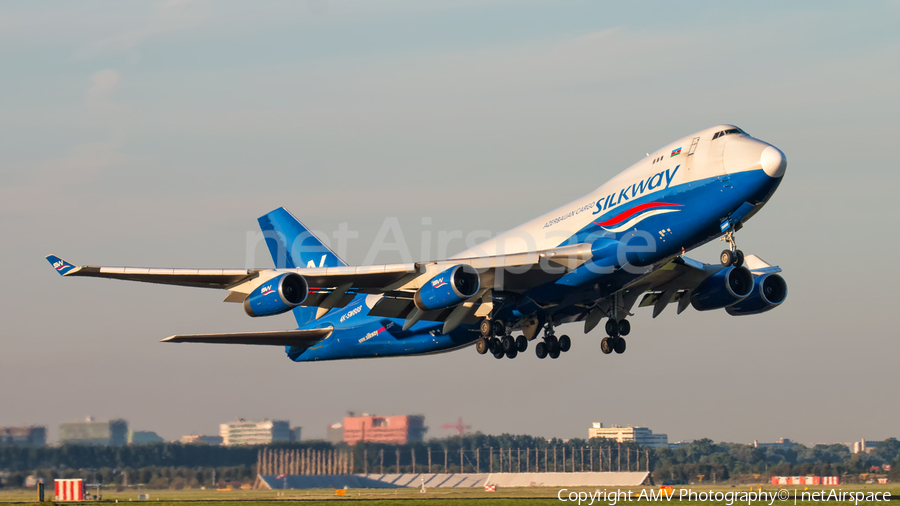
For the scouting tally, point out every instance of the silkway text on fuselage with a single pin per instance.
(629, 192)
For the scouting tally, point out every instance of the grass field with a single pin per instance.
(386, 497)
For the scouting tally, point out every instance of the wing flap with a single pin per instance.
(202, 278)
(303, 337)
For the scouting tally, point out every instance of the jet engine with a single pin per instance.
(722, 289)
(448, 288)
(277, 295)
(769, 291)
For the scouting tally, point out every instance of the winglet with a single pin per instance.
(61, 266)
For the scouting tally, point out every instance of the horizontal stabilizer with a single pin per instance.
(306, 337)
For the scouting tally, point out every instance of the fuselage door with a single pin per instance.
(694, 146)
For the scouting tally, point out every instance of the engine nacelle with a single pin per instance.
(722, 289)
(448, 288)
(769, 291)
(277, 295)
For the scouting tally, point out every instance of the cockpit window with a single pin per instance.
(726, 132)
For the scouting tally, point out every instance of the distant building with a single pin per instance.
(336, 433)
(93, 432)
(243, 432)
(678, 444)
(640, 435)
(23, 436)
(400, 429)
(143, 437)
(863, 446)
(295, 434)
(783, 443)
(197, 439)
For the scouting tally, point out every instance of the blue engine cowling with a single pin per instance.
(277, 295)
(722, 289)
(769, 291)
(448, 288)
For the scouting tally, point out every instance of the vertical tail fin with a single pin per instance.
(292, 245)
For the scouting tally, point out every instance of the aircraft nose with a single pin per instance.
(773, 161)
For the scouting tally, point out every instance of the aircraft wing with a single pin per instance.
(266, 338)
(674, 281)
(204, 278)
(336, 286)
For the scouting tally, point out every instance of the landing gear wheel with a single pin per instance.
(612, 327)
(507, 343)
(494, 345)
(499, 354)
(564, 343)
(512, 352)
(554, 352)
(738, 258)
(727, 258)
(540, 350)
(551, 341)
(481, 345)
(485, 327)
(624, 328)
(521, 344)
(606, 345)
(498, 327)
(619, 346)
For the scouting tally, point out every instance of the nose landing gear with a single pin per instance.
(731, 256)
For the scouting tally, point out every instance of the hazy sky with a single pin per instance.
(155, 133)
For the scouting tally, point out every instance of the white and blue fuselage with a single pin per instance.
(681, 196)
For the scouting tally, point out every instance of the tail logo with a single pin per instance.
(627, 219)
(60, 265)
(312, 263)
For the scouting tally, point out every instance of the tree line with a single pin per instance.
(74, 456)
(749, 464)
(176, 465)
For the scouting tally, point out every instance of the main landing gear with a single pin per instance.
(496, 339)
(731, 256)
(504, 346)
(616, 330)
(551, 345)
